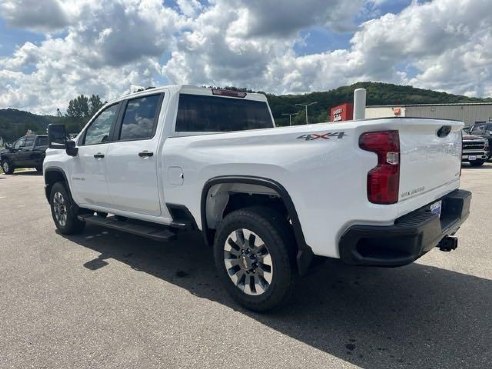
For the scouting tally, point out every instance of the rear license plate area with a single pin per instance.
(436, 208)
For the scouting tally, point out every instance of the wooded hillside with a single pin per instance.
(377, 94)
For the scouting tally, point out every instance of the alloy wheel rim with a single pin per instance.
(5, 166)
(60, 209)
(248, 262)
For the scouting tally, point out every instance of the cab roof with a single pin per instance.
(195, 90)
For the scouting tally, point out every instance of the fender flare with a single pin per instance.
(304, 255)
(47, 186)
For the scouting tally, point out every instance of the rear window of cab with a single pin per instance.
(199, 113)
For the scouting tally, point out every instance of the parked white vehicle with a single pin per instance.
(377, 192)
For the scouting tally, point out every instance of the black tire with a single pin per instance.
(277, 236)
(477, 163)
(64, 211)
(7, 166)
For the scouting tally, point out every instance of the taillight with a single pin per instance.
(383, 181)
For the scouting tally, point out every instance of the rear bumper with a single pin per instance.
(409, 238)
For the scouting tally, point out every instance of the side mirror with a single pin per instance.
(57, 136)
(57, 139)
(70, 149)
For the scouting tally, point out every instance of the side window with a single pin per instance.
(140, 118)
(20, 143)
(98, 131)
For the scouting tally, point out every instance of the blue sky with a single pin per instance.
(53, 50)
(320, 39)
(11, 38)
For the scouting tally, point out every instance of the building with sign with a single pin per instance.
(342, 112)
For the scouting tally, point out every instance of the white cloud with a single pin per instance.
(46, 15)
(104, 50)
(437, 39)
(190, 8)
(281, 19)
(250, 43)
(120, 32)
(103, 47)
(445, 49)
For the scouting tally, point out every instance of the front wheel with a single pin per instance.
(7, 167)
(254, 256)
(63, 211)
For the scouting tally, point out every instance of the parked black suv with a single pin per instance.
(26, 152)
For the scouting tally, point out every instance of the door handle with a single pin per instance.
(99, 155)
(145, 154)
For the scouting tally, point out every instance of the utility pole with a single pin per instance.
(290, 117)
(306, 106)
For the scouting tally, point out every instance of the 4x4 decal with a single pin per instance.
(321, 136)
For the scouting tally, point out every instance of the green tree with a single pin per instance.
(95, 104)
(84, 107)
(78, 108)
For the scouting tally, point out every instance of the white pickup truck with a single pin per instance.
(379, 192)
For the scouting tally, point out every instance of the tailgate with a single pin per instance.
(430, 157)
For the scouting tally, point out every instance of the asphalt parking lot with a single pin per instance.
(105, 299)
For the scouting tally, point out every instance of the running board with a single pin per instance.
(153, 231)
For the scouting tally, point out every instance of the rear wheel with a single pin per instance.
(64, 210)
(254, 255)
(477, 163)
(7, 167)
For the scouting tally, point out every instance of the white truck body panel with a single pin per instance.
(326, 178)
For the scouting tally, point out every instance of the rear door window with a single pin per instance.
(198, 113)
(140, 118)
